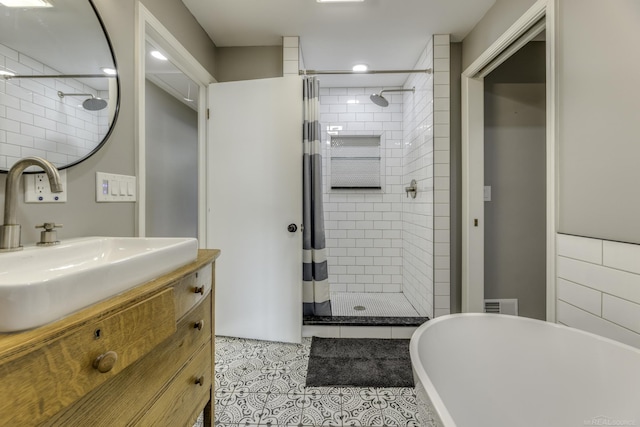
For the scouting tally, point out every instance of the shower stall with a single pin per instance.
(388, 240)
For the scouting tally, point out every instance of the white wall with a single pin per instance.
(599, 287)
(363, 228)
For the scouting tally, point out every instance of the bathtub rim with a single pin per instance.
(438, 405)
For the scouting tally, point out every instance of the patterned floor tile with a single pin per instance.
(242, 410)
(282, 410)
(263, 384)
(400, 412)
(287, 383)
(321, 410)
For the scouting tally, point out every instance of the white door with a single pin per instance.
(254, 193)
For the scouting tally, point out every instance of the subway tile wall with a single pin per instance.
(418, 163)
(598, 287)
(381, 241)
(364, 227)
(34, 121)
(290, 55)
(441, 175)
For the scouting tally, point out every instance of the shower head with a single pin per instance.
(94, 104)
(91, 104)
(380, 100)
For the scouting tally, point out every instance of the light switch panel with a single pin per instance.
(111, 187)
(487, 193)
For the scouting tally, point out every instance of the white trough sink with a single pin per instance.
(42, 284)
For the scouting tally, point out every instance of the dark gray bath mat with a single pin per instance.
(359, 362)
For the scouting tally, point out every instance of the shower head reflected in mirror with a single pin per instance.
(379, 99)
(91, 104)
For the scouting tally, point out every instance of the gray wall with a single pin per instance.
(172, 166)
(494, 23)
(515, 168)
(599, 118)
(247, 63)
(455, 139)
(81, 215)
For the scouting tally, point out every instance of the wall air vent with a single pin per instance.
(501, 306)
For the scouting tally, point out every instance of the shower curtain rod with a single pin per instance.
(55, 76)
(319, 72)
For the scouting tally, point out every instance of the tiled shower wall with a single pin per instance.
(382, 241)
(34, 121)
(363, 227)
(426, 268)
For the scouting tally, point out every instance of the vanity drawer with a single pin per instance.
(192, 289)
(113, 403)
(59, 373)
(186, 395)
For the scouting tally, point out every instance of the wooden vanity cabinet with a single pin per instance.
(144, 357)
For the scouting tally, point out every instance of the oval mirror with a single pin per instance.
(59, 90)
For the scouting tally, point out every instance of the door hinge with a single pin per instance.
(207, 114)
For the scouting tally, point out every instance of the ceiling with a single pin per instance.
(384, 34)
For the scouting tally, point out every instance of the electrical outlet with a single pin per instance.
(38, 190)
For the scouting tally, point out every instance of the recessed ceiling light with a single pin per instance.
(156, 54)
(338, 1)
(360, 68)
(6, 73)
(109, 71)
(25, 3)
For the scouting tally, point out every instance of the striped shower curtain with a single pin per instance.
(315, 292)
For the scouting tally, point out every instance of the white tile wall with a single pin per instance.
(418, 158)
(426, 159)
(364, 227)
(290, 55)
(599, 287)
(380, 241)
(441, 175)
(34, 121)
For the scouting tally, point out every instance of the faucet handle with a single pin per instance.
(49, 226)
(48, 237)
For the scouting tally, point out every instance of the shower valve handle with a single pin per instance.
(292, 228)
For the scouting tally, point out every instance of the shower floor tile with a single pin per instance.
(374, 304)
(282, 398)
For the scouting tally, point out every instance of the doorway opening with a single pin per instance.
(537, 21)
(515, 182)
(181, 83)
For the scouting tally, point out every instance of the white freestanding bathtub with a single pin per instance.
(489, 370)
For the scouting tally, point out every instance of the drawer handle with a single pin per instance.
(199, 325)
(200, 381)
(105, 362)
(199, 290)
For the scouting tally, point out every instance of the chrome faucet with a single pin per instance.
(10, 231)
